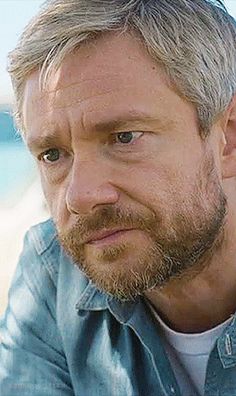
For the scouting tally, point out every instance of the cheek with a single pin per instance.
(55, 196)
(165, 189)
(152, 186)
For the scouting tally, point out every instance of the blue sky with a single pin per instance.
(14, 15)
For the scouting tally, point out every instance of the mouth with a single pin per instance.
(107, 236)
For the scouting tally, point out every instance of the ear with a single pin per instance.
(229, 152)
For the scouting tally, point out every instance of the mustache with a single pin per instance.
(107, 218)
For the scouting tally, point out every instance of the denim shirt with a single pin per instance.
(61, 336)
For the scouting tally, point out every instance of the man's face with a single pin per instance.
(133, 190)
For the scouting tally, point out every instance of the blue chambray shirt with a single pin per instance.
(61, 336)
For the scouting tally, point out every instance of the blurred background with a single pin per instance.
(21, 199)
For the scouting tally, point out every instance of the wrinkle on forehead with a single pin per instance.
(104, 92)
(107, 51)
(117, 76)
(115, 62)
(110, 57)
(58, 99)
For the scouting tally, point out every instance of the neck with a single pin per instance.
(198, 303)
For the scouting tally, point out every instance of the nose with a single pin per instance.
(89, 186)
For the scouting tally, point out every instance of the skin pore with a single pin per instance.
(140, 201)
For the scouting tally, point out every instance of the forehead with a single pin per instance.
(111, 75)
(106, 60)
(121, 55)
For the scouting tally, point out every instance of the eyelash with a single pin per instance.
(46, 152)
(138, 135)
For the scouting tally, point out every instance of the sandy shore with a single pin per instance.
(14, 224)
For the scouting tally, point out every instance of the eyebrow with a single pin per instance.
(123, 121)
(42, 142)
(116, 123)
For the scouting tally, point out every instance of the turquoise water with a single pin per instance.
(17, 168)
(8, 131)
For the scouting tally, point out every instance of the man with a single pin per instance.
(130, 289)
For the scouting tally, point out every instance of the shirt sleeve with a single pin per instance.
(32, 362)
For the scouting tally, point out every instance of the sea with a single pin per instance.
(17, 167)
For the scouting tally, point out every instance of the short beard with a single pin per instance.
(182, 249)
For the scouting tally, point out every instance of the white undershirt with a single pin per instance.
(188, 355)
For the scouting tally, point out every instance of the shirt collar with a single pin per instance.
(226, 345)
(93, 299)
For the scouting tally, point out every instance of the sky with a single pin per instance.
(14, 15)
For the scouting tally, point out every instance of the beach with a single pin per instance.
(30, 210)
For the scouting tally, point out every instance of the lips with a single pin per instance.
(98, 236)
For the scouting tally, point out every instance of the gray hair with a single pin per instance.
(195, 41)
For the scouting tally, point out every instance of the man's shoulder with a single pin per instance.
(41, 248)
(44, 271)
(41, 236)
(39, 259)
(43, 257)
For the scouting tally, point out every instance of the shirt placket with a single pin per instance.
(221, 368)
(143, 326)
